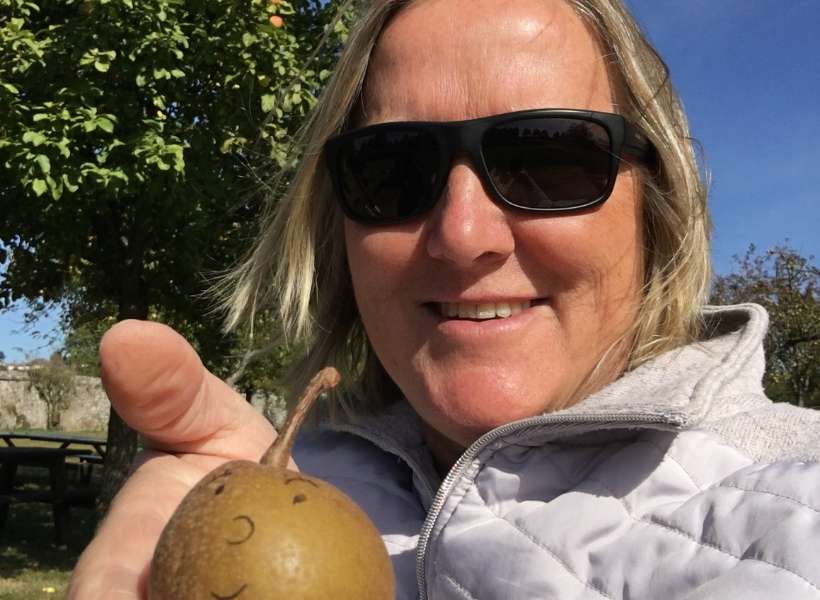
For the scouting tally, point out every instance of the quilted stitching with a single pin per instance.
(688, 500)
(769, 492)
(460, 589)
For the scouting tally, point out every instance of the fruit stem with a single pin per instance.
(278, 454)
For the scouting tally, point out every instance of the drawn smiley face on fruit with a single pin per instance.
(252, 531)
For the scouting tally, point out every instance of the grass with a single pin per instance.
(32, 565)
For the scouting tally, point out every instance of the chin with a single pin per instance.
(466, 417)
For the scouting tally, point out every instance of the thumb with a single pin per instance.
(159, 386)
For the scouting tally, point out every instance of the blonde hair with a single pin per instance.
(298, 264)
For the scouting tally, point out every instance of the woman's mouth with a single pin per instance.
(482, 311)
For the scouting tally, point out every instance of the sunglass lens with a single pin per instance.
(389, 175)
(548, 163)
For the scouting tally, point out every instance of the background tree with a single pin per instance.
(787, 285)
(53, 381)
(128, 136)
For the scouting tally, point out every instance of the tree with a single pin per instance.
(787, 285)
(129, 133)
(54, 383)
(2, 356)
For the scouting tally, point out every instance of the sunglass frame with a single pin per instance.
(466, 136)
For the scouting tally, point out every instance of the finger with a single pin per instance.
(158, 385)
(109, 568)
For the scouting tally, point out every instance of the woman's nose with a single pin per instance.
(466, 226)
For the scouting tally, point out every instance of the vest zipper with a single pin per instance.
(607, 421)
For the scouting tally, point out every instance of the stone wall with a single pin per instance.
(22, 408)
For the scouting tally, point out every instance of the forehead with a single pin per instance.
(460, 59)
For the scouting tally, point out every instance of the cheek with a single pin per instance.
(593, 263)
(603, 243)
(379, 261)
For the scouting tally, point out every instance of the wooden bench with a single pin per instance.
(86, 464)
(84, 497)
(59, 494)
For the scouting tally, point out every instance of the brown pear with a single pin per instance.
(258, 531)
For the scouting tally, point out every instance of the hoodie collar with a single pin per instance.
(681, 389)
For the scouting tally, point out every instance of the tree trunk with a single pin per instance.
(121, 447)
(120, 452)
(53, 415)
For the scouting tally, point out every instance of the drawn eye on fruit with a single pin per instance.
(250, 530)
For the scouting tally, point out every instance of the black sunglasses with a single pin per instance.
(542, 160)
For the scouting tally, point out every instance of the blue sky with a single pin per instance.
(749, 75)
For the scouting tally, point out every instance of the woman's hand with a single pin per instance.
(191, 421)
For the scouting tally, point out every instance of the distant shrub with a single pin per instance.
(54, 382)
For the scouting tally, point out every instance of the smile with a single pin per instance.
(482, 311)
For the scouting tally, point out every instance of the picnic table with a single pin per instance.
(58, 495)
(54, 458)
(63, 440)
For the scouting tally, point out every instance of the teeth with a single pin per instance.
(483, 311)
(467, 311)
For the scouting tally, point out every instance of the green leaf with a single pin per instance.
(268, 102)
(177, 73)
(62, 145)
(102, 67)
(11, 88)
(44, 162)
(68, 185)
(34, 137)
(248, 39)
(39, 186)
(266, 29)
(140, 80)
(40, 117)
(226, 145)
(119, 174)
(105, 124)
(55, 187)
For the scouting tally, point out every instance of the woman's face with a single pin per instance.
(580, 273)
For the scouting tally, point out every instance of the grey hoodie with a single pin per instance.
(678, 480)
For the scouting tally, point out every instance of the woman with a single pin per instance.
(516, 295)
